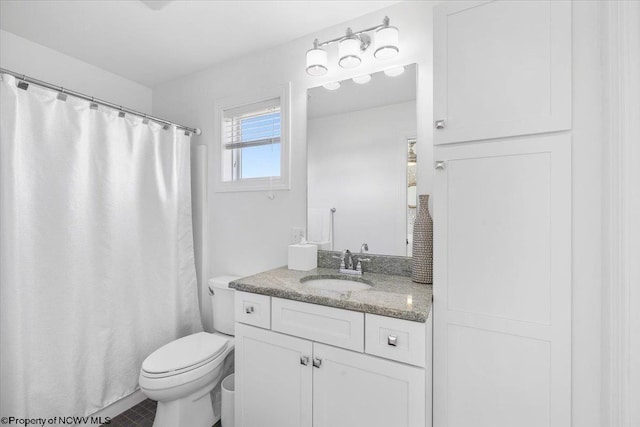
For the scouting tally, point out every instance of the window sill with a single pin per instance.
(252, 184)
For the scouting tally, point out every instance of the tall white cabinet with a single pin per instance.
(502, 214)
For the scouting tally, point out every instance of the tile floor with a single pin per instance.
(141, 415)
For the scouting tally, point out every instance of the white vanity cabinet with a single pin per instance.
(356, 390)
(284, 380)
(273, 379)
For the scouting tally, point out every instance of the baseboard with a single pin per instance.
(116, 408)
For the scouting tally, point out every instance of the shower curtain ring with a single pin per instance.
(61, 95)
(22, 83)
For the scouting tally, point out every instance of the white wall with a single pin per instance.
(633, 211)
(34, 60)
(247, 232)
(357, 163)
(621, 210)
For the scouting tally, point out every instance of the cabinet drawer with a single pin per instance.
(253, 309)
(395, 339)
(333, 326)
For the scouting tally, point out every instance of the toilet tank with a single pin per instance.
(222, 304)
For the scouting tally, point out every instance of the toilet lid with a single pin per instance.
(184, 353)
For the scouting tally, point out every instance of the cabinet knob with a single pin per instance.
(392, 340)
(440, 164)
(439, 124)
(249, 309)
(317, 362)
(304, 360)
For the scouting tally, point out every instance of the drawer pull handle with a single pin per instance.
(392, 340)
(249, 309)
(317, 362)
(304, 360)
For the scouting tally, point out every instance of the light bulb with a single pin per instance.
(366, 78)
(394, 72)
(331, 85)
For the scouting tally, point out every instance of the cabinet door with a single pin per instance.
(501, 68)
(273, 386)
(356, 390)
(502, 284)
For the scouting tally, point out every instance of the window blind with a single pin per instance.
(252, 125)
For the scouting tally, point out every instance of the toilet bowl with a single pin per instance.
(181, 374)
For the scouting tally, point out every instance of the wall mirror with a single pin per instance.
(361, 163)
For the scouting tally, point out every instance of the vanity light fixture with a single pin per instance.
(331, 85)
(394, 72)
(352, 45)
(365, 78)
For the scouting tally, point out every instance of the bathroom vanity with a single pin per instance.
(308, 356)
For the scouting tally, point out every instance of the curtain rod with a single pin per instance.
(62, 90)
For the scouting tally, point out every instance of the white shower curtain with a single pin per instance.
(96, 249)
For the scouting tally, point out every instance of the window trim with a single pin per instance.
(283, 182)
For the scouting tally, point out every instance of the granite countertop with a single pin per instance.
(392, 296)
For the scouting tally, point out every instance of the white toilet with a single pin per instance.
(180, 375)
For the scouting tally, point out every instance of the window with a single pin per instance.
(251, 138)
(254, 146)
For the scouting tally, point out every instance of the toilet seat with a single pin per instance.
(184, 355)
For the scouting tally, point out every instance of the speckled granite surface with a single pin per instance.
(392, 296)
(383, 264)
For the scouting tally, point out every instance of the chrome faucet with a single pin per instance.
(347, 264)
(348, 259)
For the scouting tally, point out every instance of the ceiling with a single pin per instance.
(154, 41)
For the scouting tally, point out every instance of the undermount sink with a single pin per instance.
(335, 284)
